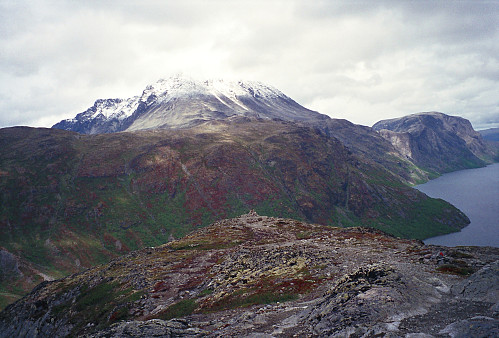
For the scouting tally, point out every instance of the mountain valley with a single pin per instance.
(115, 205)
(70, 201)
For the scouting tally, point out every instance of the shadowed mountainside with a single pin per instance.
(370, 145)
(437, 142)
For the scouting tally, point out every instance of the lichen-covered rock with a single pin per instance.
(481, 286)
(150, 328)
(479, 326)
(371, 294)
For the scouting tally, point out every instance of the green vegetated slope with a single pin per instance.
(70, 201)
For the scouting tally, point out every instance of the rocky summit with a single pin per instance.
(257, 276)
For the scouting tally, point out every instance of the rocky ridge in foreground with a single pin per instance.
(264, 276)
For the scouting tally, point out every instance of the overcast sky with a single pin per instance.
(359, 60)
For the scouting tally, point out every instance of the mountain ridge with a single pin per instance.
(180, 102)
(491, 134)
(437, 142)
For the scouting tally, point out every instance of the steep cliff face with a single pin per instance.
(70, 201)
(271, 276)
(437, 142)
(400, 140)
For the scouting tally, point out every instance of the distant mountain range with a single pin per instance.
(131, 173)
(407, 146)
(491, 134)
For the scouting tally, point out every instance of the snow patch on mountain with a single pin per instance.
(115, 108)
(180, 86)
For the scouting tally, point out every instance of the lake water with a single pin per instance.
(476, 193)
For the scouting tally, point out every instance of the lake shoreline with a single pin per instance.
(476, 193)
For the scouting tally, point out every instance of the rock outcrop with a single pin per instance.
(150, 328)
(257, 276)
(9, 266)
(482, 286)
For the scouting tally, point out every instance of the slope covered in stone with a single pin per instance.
(262, 275)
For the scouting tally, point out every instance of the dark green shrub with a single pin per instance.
(182, 308)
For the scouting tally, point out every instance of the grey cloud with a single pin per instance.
(361, 60)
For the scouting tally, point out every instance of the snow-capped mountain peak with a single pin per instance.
(180, 102)
(174, 86)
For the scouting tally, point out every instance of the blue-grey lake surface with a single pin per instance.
(476, 193)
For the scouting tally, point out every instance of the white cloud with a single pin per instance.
(363, 61)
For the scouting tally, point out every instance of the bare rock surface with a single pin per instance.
(9, 265)
(483, 285)
(149, 328)
(257, 276)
